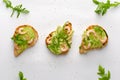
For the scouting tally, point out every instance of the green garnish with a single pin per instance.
(21, 76)
(102, 7)
(103, 75)
(94, 41)
(18, 8)
(19, 40)
(60, 38)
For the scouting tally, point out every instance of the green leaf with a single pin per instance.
(12, 13)
(18, 8)
(109, 74)
(108, 2)
(21, 76)
(8, 3)
(25, 11)
(96, 2)
(18, 39)
(115, 4)
(104, 11)
(102, 74)
(101, 70)
(102, 7)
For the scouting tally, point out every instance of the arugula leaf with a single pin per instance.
(17, 39)
(17, 8)
(102, 7)
(115, 4)
(21, 76)
(8, 3)
(96, 2)
(102, 74)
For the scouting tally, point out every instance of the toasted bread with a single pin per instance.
(59, 41)
(25, 36)
(95, 37)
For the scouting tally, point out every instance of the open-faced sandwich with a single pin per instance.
(59, 41)
(25, 36)
(95, 37)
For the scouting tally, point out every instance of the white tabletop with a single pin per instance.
(38, 63)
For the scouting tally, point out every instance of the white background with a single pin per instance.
(37, 63)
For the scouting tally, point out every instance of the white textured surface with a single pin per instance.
(38, 63)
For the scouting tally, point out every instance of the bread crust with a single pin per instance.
(16, 47)
(48, 37)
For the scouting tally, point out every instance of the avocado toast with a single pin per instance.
(25, 36)
(95, 37)
(59, 41)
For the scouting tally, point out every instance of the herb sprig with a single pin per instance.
(21, 76)
(102, 7)
(103, 75)
(18, 8)
(17, 39)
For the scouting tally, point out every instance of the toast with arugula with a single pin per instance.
(59, 41)
(25, 36)
(95, 37)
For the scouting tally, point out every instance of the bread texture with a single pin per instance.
(60, 40)
(95, 37)
(25, 36)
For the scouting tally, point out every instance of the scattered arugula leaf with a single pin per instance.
(102, 7)
(21, 76)
(17, 8)
(102, 74)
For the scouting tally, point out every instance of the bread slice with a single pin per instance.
(95, 37)
(25, 36)
(59, 41)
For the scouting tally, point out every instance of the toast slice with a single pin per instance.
(59, 41)
(25, 36)
(95, 37)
